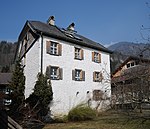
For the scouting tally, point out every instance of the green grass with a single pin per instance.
(104, 121)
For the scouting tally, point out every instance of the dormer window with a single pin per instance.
(131, 64)
(53, 48)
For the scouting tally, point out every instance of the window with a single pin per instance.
(53, 48)
(96, 57)
(131, 64)
(97, 76)
(54, 73)
(78, 75)
(78, 53)
(97, 95)
(128, 65)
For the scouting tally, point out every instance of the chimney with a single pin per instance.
(51, 20)
(71, 27)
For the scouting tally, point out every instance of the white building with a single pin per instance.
(78, 67)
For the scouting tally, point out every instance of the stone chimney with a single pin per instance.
(51, 20)
(71, 27)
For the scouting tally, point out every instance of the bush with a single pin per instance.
(81, 113)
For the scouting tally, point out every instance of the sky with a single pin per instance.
(104, 21)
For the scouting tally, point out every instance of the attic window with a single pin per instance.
(71, 34)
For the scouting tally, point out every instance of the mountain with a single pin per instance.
(131, 49)
(7, 53)
(123, 50)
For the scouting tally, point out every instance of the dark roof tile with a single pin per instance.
(56, 32)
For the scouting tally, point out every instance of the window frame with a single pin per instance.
(56, 74)
(53, 48)
(97, 95)
(78, 75)
(97, 76)
(78, 53)
(96, 57)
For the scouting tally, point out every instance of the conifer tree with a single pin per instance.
(41, 96)
(17, 86)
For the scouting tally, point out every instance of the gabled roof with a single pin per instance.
(5, 78)
(56, 32)
(143, 60)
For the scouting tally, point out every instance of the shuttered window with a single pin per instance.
(97, 95)
(78, 53)
(96, 57)
(53, 48)
(78, 75)
(54, 73)
(97, 76)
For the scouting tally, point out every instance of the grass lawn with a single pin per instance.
(105, 121)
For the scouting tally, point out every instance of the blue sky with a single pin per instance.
(104, 21)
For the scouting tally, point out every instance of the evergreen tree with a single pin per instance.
(17, 85)
(42, 95)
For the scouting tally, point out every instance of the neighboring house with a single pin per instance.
(131, 81)
(78, 67)
(5, 78)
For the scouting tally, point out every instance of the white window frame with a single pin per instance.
(96, 57)
(78, 74)
(77, 53)
(54, 48)
(53, 73)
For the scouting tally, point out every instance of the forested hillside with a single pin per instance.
(7, 53)
(123, 50)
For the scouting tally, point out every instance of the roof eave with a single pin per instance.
(73, 41)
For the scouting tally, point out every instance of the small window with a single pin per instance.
(97, 95)
(132, 64)
(54, 73)
(96, 57)
(128, 65)
(97, 76)
(136, 62)
(53, 48)
(78, 53)
(78, 75)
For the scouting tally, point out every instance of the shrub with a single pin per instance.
(81, 113)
